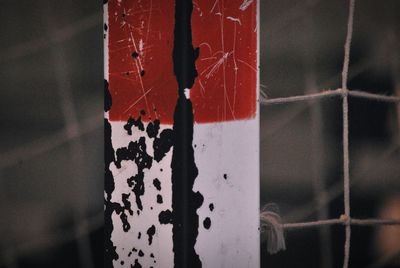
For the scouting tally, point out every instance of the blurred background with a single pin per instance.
(302, 51)
(51, 132)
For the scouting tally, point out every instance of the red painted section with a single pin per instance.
(226, 86)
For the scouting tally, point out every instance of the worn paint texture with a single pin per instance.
(181, 133)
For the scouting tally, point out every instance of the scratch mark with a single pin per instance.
(245, 4)
(248, 65)
(234, 19)
(143, 96)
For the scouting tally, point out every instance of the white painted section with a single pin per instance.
(126, 241)
(230, 148)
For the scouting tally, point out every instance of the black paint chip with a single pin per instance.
(136, 265)
(157, 184)
(150, 232)
(135, 55)
(140, 253)
(207, 223)
(159, 199)
(165, 217)
(132, 122)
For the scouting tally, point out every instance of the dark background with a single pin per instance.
(51, 133)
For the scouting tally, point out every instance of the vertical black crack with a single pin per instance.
(185, 202)
(107, 97)
(184, 55)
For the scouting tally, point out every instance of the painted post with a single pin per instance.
(181, 133)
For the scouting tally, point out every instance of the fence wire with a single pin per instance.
(343, 92)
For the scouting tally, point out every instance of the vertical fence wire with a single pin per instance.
(345, 111)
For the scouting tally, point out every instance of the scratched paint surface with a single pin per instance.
(141, 96)
(140, 49)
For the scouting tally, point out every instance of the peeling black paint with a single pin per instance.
(165, 217)
(137, 182)
(140, 253)
(157, 184)
(132, 122)
(159, 199)
(211, 207)
(153, 128)
(150, 232)
(163, 144)
(127, 204)
(125, 224)
(207, 223)
(136, 265)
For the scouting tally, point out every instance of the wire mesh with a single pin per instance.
(321, 196)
